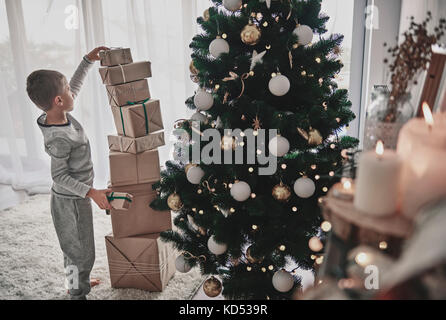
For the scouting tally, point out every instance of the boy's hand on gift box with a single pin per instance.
(100, 198)
(94, 55)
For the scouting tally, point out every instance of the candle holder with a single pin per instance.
(344, 190)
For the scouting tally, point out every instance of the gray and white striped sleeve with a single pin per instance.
(79, 76)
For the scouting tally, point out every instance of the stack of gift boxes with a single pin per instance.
(136, 255)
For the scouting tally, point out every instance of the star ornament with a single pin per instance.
(257, 125)
(257, 58)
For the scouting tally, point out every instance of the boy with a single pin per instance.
(71, 169)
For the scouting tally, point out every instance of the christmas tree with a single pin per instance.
(260, 65)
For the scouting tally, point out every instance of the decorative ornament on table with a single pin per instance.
(257, 58)
(279, 85)
(304, 33)
(251, 34)
(304, 188)
(218, 47)
(281, 192)
(241, 191)
(212, 287)
(194, 175)
(251, 259)
(232, 5)
(216, 248)
(182, 264)
(279, 146)
(198, 116)
(174, 202)
(203, 100)
(313, 137)
(283, 281)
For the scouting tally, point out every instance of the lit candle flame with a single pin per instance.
(380, 148)
(428, 115)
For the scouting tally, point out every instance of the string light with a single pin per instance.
(318, 60)
(271, 268)
(232, 210)
(331, 174)
(333, 146)
(325, 189)
(362, 259)
(284, 166)
(282, 248)
(265, 24)
(248, 268)
(317, 177)
(199, 191)
(201, 212)
(268, 47)
(217, 86)
(273, 75)
(313, 257)
(254, 227)
(251, 73)
(253, 195)
(383, 245)
(194, 209)
(314, 167)
(251, 170)
(320, 260)
(326, 226)
(294, 209)
(263, 269)
(224, 35)
(303, 73)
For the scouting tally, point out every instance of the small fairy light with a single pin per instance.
(242, 144)
(273, 75)
(320, 260)
(255, 133)
(199, 191)
(294, 209)
(263, 269)
(363, 259)
(232, 210)
(259, 16)
(320, 200)
(333, 146)
(248, 268)
(313, 257)
(282, 248)
(265, 24)
(331, 174)
(321, 81)
(224, 35)
(253, 195)
(251, 170)
(284, 166)
(251, 73)
(325, 189)
(201, 212)
(326, 226)
(270, 268)
(255, 227)
(217, 86)
(268, 47)
(338, 120)
(259, 152)
(295, 46)
(318, 60)
(314, 167)
(303, 73)
(383, 245)
(230, 185)
(194, 209)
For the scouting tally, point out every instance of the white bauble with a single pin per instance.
(194, 175)
(304, 188)
(216, 248)
(199, 117)
(182, 264)
(279, 146)
(305, 34)
(203, 100)
(241, 191)
(279, 85)
(283, 281)
(232, 5)
(218, 47)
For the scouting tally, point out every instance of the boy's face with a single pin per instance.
(65, 102)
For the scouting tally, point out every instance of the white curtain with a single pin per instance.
(34, 34)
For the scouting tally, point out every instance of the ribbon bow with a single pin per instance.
(145, 114)
(189, 256)
(234, 76)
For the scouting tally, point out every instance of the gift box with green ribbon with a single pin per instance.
(131, 169)
(126, 73)
(136, 145)
(120, 95)
(138, 119)
(120, 200)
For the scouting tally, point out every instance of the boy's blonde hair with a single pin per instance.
(43, 86)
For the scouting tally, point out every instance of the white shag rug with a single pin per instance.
(31, 262)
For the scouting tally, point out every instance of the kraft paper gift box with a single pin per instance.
(143, 262)
(132, 92)
(126, 73)
(120, 200)
(138, 145)
(129, 169)
(138, 120)
(140, 219)
(115, 56)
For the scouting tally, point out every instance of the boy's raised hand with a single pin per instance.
(100, 198)
(94, 55)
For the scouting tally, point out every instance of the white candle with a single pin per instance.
(377, 182)
(422, 146)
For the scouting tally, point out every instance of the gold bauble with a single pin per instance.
(314, 138)
(193, 70)
(206, 15)
(174, 202)
(282, 193)
(212, 287)
(251, 259)
(251, 35)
